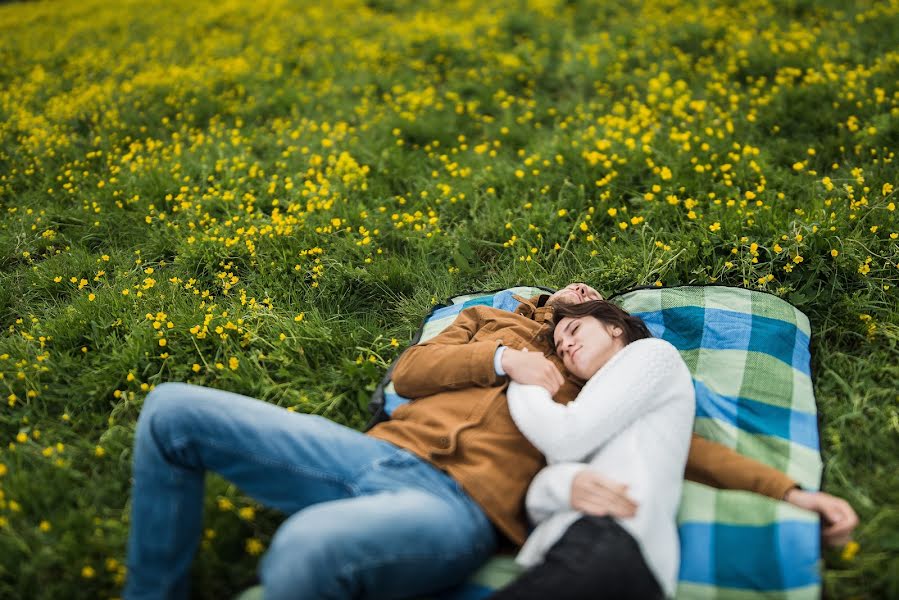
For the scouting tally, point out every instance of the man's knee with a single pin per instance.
(164, 407)
(301, 562)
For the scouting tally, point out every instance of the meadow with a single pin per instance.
(267, 197)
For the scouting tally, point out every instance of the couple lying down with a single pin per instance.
(566, 413)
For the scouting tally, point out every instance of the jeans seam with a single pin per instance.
(366, 565)
(352, 489)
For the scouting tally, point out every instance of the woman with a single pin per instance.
(632, 422)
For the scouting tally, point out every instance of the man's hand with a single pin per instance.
(839, 518)
(593, 494)
(532, 368)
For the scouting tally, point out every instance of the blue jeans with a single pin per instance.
(366, 519)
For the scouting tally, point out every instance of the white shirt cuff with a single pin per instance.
(498, 361)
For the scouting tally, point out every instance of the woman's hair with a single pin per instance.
(633, 327)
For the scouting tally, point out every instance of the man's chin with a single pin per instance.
(571, 298)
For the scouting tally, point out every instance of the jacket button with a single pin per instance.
(444, 441)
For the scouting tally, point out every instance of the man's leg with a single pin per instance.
(422, 537)
(284, 460)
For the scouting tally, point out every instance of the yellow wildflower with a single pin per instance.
(850, 550)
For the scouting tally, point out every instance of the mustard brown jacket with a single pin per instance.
(459, 420)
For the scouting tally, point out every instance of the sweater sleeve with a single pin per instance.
(550, 490)
(448, 361)
(639, 378)
(715, 464)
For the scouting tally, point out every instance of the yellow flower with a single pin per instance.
(162, 341)
(3, 470)
(394, 342)
(254, 547)
(850, 550)
(798, 166)
(798, 259)
(22, 437)
(233, 363)
(299, 317)
(834, 253)
(225, 504)
(91, 297)
(88, 572)
(715, 226)
(246, 513)
(195, 368)
(99, 451)
(887, 189)
(44, 526)
(612, 211)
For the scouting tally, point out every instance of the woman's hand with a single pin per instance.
(839, 518)
(532, 368)
(594, 494)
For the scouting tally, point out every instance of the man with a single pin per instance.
(411, 507)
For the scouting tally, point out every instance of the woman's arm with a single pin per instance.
(641, 377)
(550, 490)
(575, 486)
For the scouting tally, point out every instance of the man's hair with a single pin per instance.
(633, 328)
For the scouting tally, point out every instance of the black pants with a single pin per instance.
(595, 558)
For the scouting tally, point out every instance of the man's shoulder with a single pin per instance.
(489, 313)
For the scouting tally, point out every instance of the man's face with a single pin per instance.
(574, 293)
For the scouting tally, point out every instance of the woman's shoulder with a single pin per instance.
(657, 357)
(653, 346)
(653, 358)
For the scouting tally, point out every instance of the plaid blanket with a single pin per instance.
(749, 356)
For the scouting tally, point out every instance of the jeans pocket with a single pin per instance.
(397, 460)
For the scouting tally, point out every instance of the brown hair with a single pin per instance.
(633, 327)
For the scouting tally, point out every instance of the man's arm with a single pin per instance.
(715, 464)
(448, 361)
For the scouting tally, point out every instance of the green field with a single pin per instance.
(268, 196)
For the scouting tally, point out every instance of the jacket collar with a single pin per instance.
(535, 308)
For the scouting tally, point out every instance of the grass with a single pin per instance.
(278, 193)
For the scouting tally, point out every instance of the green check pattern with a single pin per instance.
(748, 352)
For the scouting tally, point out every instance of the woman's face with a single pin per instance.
(585, 344)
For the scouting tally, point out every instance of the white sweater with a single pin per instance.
(632, 421)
